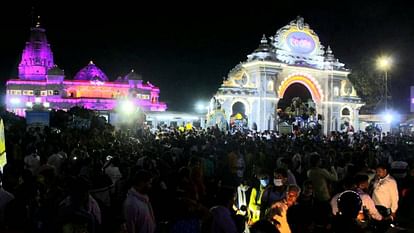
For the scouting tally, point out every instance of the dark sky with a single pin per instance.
(187, 48)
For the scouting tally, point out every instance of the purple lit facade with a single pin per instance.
(412, 99)
(41, 82)
(37, 57)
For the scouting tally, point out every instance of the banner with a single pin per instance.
(37, 118)
(3, 159)
(285, 128)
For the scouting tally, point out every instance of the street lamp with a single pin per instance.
(384, 63)
(201, 107)
(127, 107)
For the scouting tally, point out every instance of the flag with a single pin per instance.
(3, 159)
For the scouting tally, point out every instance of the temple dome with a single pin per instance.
(55, 70)
(133, 76)
(90, 73)
(264, 52)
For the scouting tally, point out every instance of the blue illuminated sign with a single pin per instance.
(300, 42)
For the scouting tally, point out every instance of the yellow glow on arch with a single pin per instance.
(302, 79)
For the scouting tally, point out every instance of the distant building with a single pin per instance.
(412, 99)
(41, 82)
(175, 119)
(294, 56)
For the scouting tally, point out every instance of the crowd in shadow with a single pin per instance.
(100, 179)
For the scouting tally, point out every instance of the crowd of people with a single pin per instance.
(102, 179)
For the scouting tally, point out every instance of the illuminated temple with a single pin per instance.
(41, 83)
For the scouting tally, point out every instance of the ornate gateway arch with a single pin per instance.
(294, 55)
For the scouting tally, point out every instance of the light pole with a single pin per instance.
(384, 63)
(201, 107)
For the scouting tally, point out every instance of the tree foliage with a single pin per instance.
(369, 84)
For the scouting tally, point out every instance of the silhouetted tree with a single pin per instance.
(369, 84)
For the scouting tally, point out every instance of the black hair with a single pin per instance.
(360, 178)
(383, 166)
(348, 183)
(294, 187)
(225, 195)
(263, 226)
(349, 204)
(78, 185)
(314, 159)
(141, 176)
(281, 171)
(306, 183)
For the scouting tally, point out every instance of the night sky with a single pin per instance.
(187, 48)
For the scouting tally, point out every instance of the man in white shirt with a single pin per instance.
(367, 203)
(385, 190)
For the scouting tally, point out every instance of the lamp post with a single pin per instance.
(384, 63)
(201, 107)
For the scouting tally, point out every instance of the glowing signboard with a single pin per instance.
(300, 42)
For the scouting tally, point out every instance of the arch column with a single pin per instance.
(275, 122)
(356, 118)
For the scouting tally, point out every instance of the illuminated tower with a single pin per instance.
(37, 57)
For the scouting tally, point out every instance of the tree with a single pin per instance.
(369, 85)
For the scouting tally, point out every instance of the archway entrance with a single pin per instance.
(346, 120)
(238, 118)
(238, 107)
(297, 108)
(295, 90)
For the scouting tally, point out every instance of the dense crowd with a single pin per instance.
(101, 179)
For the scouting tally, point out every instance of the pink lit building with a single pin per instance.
(41, 82)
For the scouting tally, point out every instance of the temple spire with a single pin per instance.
(263, 52)
(38, 21)
(263, 40)
(37, 56)
(329, 56)
(32, 16)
